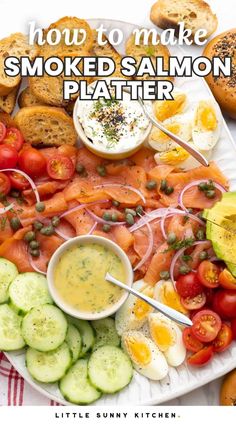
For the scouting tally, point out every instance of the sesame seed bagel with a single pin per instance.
(224, 88)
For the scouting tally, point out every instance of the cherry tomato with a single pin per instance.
(228, 390)
(188, 285)
(224, 303)
(233, 328)
(60, 167)
(3, 131)
(190, 341)
(5, 184)
(18, 181)
(227, 280)
(209, 296)
(32, 162)
(193, 303)
(208, 274)
(14, 138)
(8, 156)
(206, 325)
(202, 357)
(223, 339)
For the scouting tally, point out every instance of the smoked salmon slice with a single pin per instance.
(160, 261)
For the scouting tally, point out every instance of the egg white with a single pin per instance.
(206, 139)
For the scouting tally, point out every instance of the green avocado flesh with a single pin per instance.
(221, 229)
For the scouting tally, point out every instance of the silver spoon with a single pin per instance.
(166, 310)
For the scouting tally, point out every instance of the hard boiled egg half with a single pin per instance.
(206, 124)
(164, 109)
(165, 293)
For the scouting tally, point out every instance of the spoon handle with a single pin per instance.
(166, 310)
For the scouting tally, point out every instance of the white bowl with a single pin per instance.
(70, 310)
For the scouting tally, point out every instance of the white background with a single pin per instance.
(15, 15)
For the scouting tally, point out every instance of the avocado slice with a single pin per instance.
(231, 268)
(223, 212)
(223, 242)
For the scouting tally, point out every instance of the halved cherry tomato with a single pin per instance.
(14, 138)
(223, 339)
(3, 131)
(227, 280)
(208, 274)
(60, 167)
(202, 357)
(32, 162)
(18, 181)
(191, 342)
(224, 303)
(206, 325)
(233, 327)
(5, 184)
(193, 303)
(8, 156)
(188, 285)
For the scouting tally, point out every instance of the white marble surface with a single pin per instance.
(135, 11)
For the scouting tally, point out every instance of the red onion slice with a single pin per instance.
(33, 185)
(157, 213)
(149, 249)
(92, 228)
(31, 261)
(193, 184)
(82, 206)
(62, 235)
(6, 208)
(103, 221)
(135, 190)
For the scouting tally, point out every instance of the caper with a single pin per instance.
(15, 223)
(165, 275)
(107, 216)
(203, 255)
(34, 244)
(35, 252)
(114, 217)
(55, 221)
(47, 231)
(202, 186)
(139, 210)
(40, 206)
(15, 194)
(106, 228)
(129, 219)
(190, 210)
(80, 168)
(200, 235)
(210, 194)
(184, 269)
(116, 203)
(38, 225)
(151, 185)
(131, 211)
(169, 190)
(171, 238)
(101, 170)
(29, 236)
(163, 185)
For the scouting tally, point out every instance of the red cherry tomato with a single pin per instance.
(5, 184)
(32, 162)
(224, 303)
(208, 274)
(206, 325)
(202, 357)
(18, 181)
(188, 285)
(227, 280)
(223, 339)
(8, 156)
(193, 303)
(60, 167)
(14, 138)
(3, 131)
(191, 342)
(233, 327)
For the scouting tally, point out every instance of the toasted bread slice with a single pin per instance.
(26, 99)
(142, 50)
(16, 45)
(7, 103)
(196, 14)
(46, 126)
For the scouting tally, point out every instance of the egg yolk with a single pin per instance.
(138, 350)
(174, 157)
(205, 117)
(171, 298)
(162, 334)
(167, 108)
(158, 135)
(141, 309)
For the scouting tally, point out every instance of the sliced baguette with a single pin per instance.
(15, 45)
(196, 14)
(46, 126)
(7, 103)
(27, 99)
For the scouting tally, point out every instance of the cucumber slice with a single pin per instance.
(10, 329)
(44, 328)
(106, 333)
(74, 341)
(29, 290)
(86, 332)
(76, 387)
(48, 367)
(8, 272)
(109, 369)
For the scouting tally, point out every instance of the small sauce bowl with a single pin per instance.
(83, 240)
